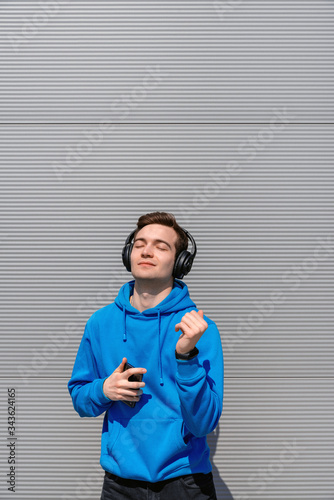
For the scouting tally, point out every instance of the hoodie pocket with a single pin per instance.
(179, 439)
(145, 447)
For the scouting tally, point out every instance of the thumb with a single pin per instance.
(120, 368)
(200, 312)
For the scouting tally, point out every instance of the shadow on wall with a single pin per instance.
(223, 493)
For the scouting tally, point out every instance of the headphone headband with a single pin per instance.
(182, 265)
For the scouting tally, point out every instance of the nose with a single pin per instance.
(147, 250)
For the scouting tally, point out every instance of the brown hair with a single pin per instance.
(165, 219)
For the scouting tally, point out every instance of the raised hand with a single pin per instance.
(192, 326)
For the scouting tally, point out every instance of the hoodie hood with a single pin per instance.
(177, 300)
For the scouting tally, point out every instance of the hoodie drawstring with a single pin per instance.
(124, 321)
(160, 361)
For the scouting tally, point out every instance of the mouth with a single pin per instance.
(146, 264)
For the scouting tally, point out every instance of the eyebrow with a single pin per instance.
(154, 241)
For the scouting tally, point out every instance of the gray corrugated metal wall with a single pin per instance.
(222, 113)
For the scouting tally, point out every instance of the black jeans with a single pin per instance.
(191, 486)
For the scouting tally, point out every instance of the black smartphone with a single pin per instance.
(137, 377)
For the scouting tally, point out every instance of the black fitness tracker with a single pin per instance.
(188, 355)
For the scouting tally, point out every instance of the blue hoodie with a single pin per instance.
(164, 435)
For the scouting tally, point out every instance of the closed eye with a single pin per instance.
(160, 248)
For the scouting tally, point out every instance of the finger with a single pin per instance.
(132, 392)
(130, 395)
(199, 317)
(191, 324)
(135, 385)
(192, 320)
(187, 320)
(134, 371)
(120, 368)
(185, 328)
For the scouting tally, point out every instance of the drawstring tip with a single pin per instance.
(161, 381)
(124, 337)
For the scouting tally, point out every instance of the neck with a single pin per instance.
(146, 296)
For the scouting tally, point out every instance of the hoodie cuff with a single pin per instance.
(188, 369)
(98, 395)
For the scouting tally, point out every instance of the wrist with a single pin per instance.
(187, 355)
(104, 391)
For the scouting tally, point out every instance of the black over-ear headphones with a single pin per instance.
(182, 264)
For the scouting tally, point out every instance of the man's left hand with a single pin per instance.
(192, 326)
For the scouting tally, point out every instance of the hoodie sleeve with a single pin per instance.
(85, 387)
(200, 384)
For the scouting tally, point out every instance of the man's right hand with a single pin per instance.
(117, 387)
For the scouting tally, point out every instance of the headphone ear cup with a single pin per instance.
(126, 254)
(176, 268)
(183, 264)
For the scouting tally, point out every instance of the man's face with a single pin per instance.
(153, 253)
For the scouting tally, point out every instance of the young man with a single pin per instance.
(155, 448)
